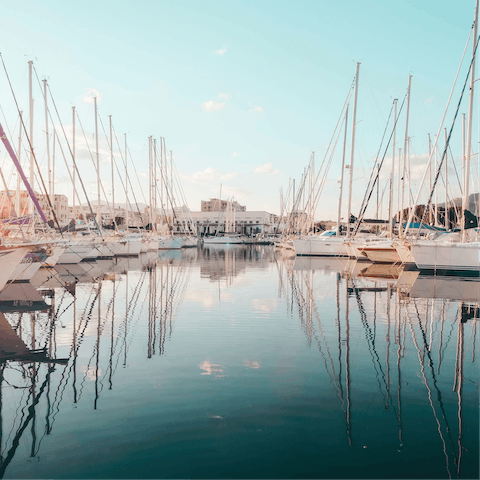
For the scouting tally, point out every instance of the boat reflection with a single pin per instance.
(95, 312)
(225, 262)
(391, 307)
(465, 289)
(387, 341)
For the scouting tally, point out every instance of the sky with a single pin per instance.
(243, 92)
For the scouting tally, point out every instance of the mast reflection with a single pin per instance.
(372, 289)
(68, 350)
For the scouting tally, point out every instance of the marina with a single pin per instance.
(187, 362)
(239, 240)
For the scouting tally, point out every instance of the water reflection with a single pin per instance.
(409, 304)
(224, 262)
(374, 367)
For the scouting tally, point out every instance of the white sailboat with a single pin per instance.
(446, 254)
(331, 243)
(326, 244)
(229, 237)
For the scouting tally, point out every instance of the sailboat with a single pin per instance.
(331, 243)
(229, 237)
(446, 254)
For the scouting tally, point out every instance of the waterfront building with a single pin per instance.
(217, 205)
(136, 218)
(59, 203)
(250, 222)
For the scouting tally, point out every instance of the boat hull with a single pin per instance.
(455, 258)
(9, 261)
(322, 247)
(169, 243)
(226, 240)
(381, 253)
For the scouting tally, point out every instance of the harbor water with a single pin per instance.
(233, 361)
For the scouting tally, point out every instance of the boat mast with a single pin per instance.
(73, 157)
(53, 168)
(399, 190)
(166, 182)
(111, 161)
(126, 185)
(172, 198)
(47, 140)
(150, 176)
(312, 203)
(446, 216)
(469, 127)
(342, 173)
(171, 180)
(430, 174)
(464, 129)
(99, 215)
(30, 96)
(219, 210)
(349, 206)
(405, 159)
(409, 166)
(155, 181)
(392, 172)
(33, 197)
(17, 196)
(436, 191)
(162, 179)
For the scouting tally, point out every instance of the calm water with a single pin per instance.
(233, 362)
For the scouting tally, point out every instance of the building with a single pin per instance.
(81, 213)
(59, 203)
(245, 222)
(217, 205)
(7, 206)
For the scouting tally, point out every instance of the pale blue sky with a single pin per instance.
(234, 86)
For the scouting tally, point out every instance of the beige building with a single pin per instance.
(246, 222)
(59, 203)
(217, 205)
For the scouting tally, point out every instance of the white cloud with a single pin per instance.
(85, 145)
(90, 94)
(210, 174)
(235, 154)
(206, 175)
(222, 51)
(226, 96)
(211, 106)
(228, 176)
(256, 109)
(267, 168)
(240, 194)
